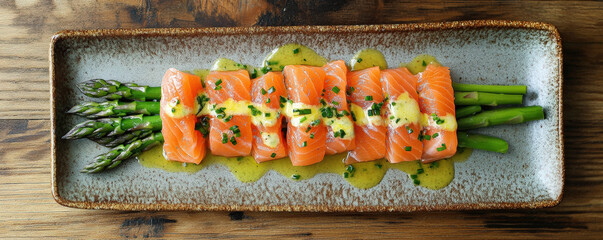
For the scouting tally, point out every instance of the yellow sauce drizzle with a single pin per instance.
(364, 175)
(367, 58)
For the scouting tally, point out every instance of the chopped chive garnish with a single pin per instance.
(424, 63)
(341, 133)
(416, 181)
(303, 119)
(435, 135)
(397, 120)
(263, 91)
(308, 129)
(346, 174)
(311, 135)
(442, 148)
(266, 114)
(254, 74)
(335, 89)
(218, 82)
(413, 176)
(393, 103)
(391, 117)
(315, 122)
(409, 130)
(295, 176)
(420, 170)
(304, 111)
(304, 144)
(173, 110)
(378, 165)
(368, 98)
(268, 100)
(224, 138)
(295, 51)
(218, 88)
(427, 137)
(335, 102)
(322, 101)
(408, 148)
(282, 99)
(273, 155)
(359, 60)
(271, 89)
(233, 140)
(227, 119)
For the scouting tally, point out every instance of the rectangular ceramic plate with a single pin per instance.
(530, 175)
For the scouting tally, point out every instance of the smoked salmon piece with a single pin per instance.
(369, 129)
(436, 99)
(230, 128)
(306, 135)
(402, 114)
(178, 95)
(335, 98)
(268, 141)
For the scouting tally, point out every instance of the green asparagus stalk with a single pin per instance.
(114, 108)
(100, 128)
(488, 99)
(114, 90)
(125, 138)
(501, 116)
(482, 142)
(114, 157)
(466, 111)
(463, 87)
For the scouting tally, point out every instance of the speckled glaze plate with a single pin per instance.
(530, 175)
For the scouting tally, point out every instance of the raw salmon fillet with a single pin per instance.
(306, 145)
(229, 136)
(334, 96)
(268, 90)
(402, 142)
(436, 98)
(182, 142)
(370, 138)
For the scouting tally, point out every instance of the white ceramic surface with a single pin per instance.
(529, 175)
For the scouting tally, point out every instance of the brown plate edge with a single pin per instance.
(309, 29)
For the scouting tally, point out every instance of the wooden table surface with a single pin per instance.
(28, 210)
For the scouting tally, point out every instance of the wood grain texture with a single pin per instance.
(27, 209)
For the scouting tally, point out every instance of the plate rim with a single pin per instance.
(184, 32)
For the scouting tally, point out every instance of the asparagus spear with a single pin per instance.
(114, 90)
(114, 108)
(489, 99)
(482, 142)
(466, 111)
(100, 128)
(126, 138)
(463, 87)
(501, 116)
(114, 157)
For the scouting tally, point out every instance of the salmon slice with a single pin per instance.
(268, 90)
(335, 86)
(403, 115)
(178, 95)
(230, 132)
(365, 89)
(305, 141)
(436, 99)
